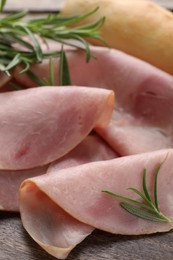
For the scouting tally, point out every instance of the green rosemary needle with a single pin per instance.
(64, 70)
(2, 4)
(149, 209)
(15, 27)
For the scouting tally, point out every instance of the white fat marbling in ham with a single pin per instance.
(40, 125)
(78, 192)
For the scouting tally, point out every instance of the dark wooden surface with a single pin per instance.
(16, 244)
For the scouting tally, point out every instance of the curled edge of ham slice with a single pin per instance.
(129, 135)
(40, 125)
(78, 192)
(72, 231)
(10, 182)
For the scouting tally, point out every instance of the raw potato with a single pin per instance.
(137, 27)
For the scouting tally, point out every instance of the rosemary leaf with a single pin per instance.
(155, 186)
(64, 70)
(35, 78)
(15, 61)
(145, 187)
(13, 17)
(142, 213)
(142, 195)
(51, 73)
(2, 4)
(36, 46)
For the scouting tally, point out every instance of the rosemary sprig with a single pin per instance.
(14, 27)
(149, 208)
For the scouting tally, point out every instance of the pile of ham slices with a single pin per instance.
(61, 146)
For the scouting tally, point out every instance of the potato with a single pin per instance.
(137, 27)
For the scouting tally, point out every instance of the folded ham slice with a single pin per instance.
(10, 182)
(55, 231)
(140, 88)
(69, 231)
(40, 125)
(77, 193)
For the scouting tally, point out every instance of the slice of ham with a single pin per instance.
(77, 191)
(54, 230)
(10, 182)
(66, 232)
(138, 124)
(40, 125)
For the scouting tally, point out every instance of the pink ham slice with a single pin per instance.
(138, 125)
(60, 232)
(77, 191)
(68, 232)
(40, 125)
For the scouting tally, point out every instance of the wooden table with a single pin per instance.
(16, 244)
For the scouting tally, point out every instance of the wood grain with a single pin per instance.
(16, 244)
